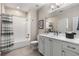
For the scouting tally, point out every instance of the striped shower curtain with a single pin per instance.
(78, 24)
(6, 41)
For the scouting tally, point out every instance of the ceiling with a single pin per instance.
(25, 6)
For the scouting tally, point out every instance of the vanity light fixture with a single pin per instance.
(58, 4)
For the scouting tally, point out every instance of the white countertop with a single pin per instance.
(61, 37)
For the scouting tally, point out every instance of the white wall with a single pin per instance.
(0, 8)
(32, 16)
(74, 11)
(42, 13)
(0, 21)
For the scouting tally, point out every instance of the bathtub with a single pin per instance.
(20, 44)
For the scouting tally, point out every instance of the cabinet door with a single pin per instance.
(41, 44)
(57, 48)
(48, 45)
(69, 53)
(51, 47)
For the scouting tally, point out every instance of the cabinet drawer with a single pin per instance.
(71, 46)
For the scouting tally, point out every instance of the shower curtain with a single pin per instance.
(78, 24)
(6, 41)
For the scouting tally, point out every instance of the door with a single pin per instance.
(57, 47)
(66, 52)
(48, 47)
(19, 28)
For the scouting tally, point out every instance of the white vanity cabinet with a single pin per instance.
(57, 47)
(50, 46)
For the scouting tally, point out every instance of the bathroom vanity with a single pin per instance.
(53, 45)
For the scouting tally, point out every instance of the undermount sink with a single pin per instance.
(50, 34)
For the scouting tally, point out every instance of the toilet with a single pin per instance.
(34, 45)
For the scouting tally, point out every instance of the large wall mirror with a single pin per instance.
(60, 25)
(63, 25)
(76, 24)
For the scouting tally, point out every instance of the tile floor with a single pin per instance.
(26, 51)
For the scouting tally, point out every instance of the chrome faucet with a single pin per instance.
(56, 33)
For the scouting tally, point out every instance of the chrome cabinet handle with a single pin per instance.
(62, 50)
(63, 53)
(71, 47)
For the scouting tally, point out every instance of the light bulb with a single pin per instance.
(18, 7)
(52, 6)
